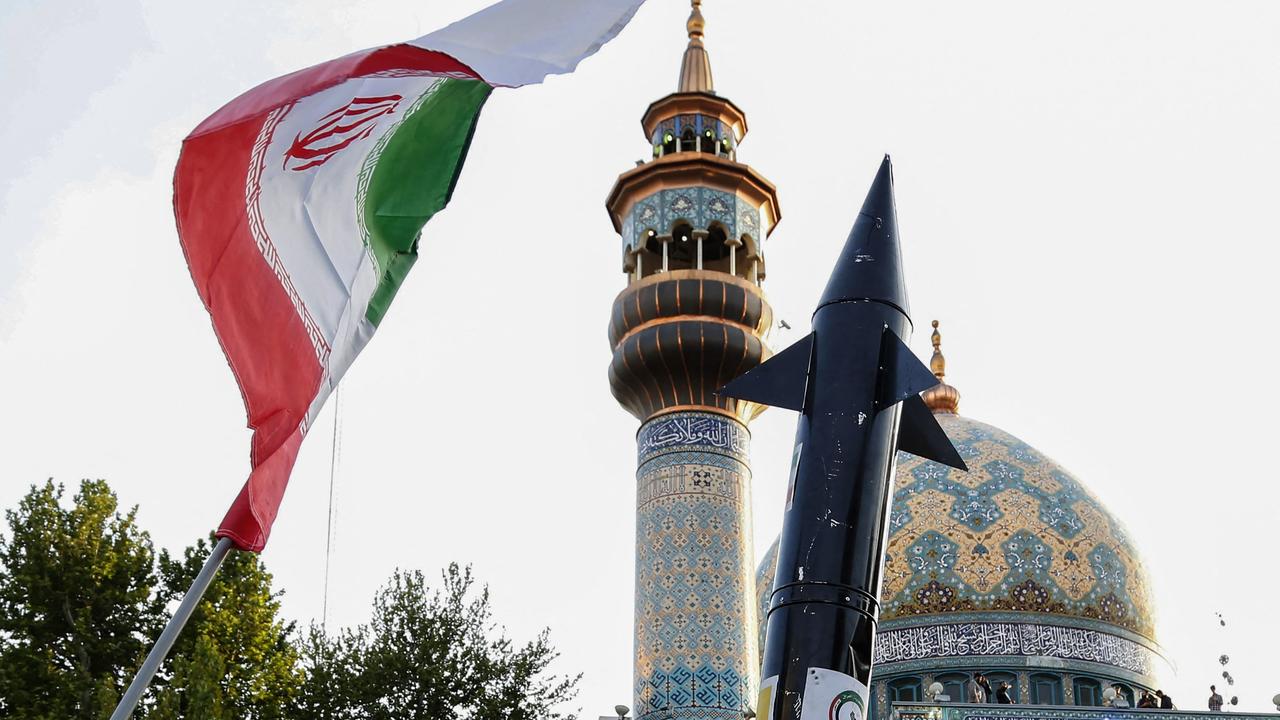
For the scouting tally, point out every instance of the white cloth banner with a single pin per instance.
(520, 42)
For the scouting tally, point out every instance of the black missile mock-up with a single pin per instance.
(857, 388)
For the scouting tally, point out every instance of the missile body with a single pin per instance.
(856, 386)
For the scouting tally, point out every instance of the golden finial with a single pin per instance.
(938, 364)
(941, 398)
(696, 22)
(695, 70)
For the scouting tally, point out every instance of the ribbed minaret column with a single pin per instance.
(695, 652)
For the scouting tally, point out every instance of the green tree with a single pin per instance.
(77, 606)
(195, 689)
(236, 658)
(331, 688)
(435, 655)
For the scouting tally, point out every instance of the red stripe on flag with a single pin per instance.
(265, 341)
(248, 521)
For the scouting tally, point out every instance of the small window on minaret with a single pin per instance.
(683, 248)
(668, 143)
(651, 242)
(714, 248)
(688, 140)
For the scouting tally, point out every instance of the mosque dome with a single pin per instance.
(1013, 566)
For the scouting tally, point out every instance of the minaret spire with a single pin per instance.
(695, 70)
(941, 398)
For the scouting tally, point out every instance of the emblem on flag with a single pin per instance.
(352, 122)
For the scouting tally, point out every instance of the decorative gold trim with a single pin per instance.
(695, 408)
(756, 331)
(693, 274)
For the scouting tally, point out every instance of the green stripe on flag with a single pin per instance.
(413, 178)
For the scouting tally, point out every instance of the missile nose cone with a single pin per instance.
(870, 266)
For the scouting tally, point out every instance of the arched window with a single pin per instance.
(741, 253)
(713, 248)
(1125, 694)
(953, 685)
(683, 252)
(709, 143)
(905, 689)
(668, 142)
(650, 255)
(1088, 691)
(651, 242)
(1002, 676)
(688, 140)
(1046, 689)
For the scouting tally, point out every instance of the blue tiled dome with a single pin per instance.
(1017, 539)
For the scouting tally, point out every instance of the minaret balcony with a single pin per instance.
(693, 211)
(679, 336)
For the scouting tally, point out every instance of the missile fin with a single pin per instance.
(902, 375)
(920, 434)
(780, 381)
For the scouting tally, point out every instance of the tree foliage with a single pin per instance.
(195, 689)
(77, 603)
(434, 655)
(331, 688)
(236, 658)
(83, 596)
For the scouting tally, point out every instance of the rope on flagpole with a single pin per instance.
(335, 452)
(129, 702)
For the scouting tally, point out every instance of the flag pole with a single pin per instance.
(129, 702)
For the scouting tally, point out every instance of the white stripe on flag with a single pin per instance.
(520, 42)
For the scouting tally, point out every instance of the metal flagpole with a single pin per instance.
(164, 643)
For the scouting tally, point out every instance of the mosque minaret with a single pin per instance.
(693, 221)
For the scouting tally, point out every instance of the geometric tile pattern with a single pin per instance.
(696, 653)
(1016, 539)
(1017, 533)
(701, 207)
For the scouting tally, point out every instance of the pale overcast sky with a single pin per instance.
(1087, 194)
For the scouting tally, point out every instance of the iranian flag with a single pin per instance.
(300, 205)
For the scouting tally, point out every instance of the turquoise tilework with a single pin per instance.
(1017, 539)
(698, 206)
(696, 653)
